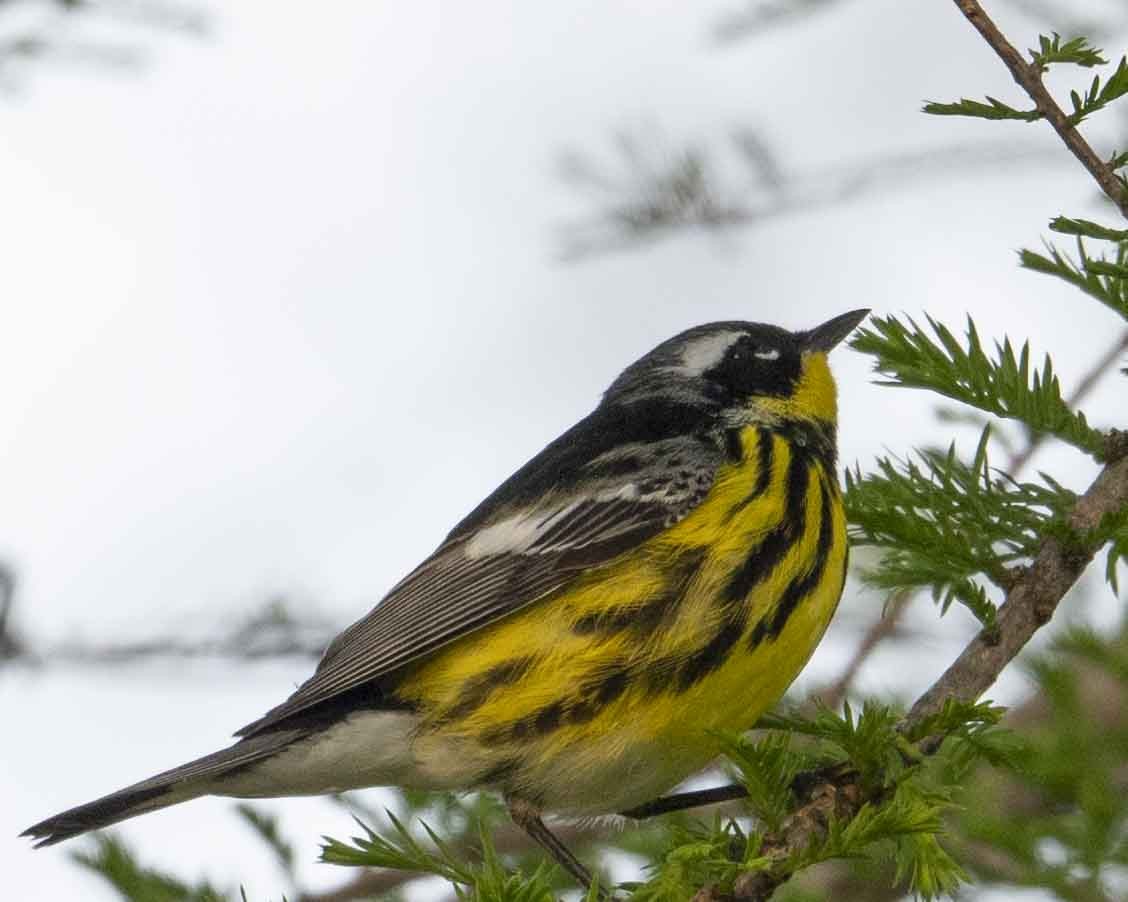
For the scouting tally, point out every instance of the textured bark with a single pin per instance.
(1030, 603)
(1033, 598)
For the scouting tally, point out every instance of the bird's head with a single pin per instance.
(745, 373)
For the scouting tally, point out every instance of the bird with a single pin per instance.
(659, 572)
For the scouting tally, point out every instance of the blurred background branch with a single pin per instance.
(10, 645)
(647, 190)
(108, 34)
(755, 18)
(649, 187)
(278, 629)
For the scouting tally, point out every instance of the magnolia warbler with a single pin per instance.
(659, 572)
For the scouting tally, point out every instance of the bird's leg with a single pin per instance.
(683, 800)
(527, 817)
(680, 801)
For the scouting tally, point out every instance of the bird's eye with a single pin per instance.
(754, 366)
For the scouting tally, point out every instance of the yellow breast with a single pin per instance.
(607, 693)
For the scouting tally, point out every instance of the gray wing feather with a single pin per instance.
(475, 579)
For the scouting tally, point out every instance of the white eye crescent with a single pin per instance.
(770, 354)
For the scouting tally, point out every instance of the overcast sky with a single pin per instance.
(281, 308)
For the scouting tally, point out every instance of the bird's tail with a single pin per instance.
(189, 781)
(117, 806)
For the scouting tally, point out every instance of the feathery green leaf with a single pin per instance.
(1076, 51)
(1087, 229)
(112, 860)
(767, 766)
(992, 109)
(266, 826)
(1005, 385)
(1099, 94)
(944, 523)
(1110, 289)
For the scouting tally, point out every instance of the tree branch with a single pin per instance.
(1029, 78)
(888, 624)
(1029, 605)
(509, 839)
(1032, 600)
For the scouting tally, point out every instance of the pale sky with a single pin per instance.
(284, 306)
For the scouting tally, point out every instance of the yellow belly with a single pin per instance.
(607, 693)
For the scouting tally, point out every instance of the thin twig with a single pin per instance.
(683, 800)
(1029, 78)
(838, 798)
(1036, 593)
(1034, 596)
(1032, 600)
(884, 627)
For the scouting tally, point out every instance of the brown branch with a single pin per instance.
(886, 626)
(1018, 797)
(835, 800)
(1033, 599)
(1029, 605)
(1034, 595)
(509, 839)
(1029, 78)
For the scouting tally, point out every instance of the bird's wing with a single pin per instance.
(576, 505)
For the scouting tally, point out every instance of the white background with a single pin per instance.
(279, 310)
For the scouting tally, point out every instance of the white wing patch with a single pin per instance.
(515, 534)
(520, 532)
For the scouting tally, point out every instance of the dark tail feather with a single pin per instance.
(189, 781)
(101, 813)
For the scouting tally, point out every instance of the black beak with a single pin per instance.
(824, 337)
